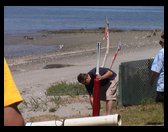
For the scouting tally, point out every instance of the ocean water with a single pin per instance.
(24, 19)
(27, 19)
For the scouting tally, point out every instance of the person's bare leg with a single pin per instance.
(91, 100)
(108, 106)
(12, 116)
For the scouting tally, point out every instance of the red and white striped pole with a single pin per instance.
(96, 101)
(115, 54)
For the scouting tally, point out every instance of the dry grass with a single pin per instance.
(137, 115)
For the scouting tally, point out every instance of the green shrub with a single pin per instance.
(63, 88)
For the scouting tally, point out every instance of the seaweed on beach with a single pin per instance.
(56, 66)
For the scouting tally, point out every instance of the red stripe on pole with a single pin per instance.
(115, 55)
(96, 101)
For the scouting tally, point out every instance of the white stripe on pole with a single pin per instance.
(106, 37)
(98, 58)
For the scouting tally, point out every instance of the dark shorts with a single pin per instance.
(159, 96)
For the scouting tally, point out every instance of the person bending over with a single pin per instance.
(108, 85)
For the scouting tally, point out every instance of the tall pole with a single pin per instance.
(115, 54)
(106, 37)
(96, 101)
(98, 58)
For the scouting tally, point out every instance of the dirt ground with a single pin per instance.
(79, 52)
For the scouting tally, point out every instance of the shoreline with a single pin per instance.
(63, 38)
(80, 30)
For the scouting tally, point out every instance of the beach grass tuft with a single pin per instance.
(63, 88)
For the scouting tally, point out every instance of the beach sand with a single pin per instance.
(78, 51)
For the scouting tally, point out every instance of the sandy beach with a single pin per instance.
(79, 51)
